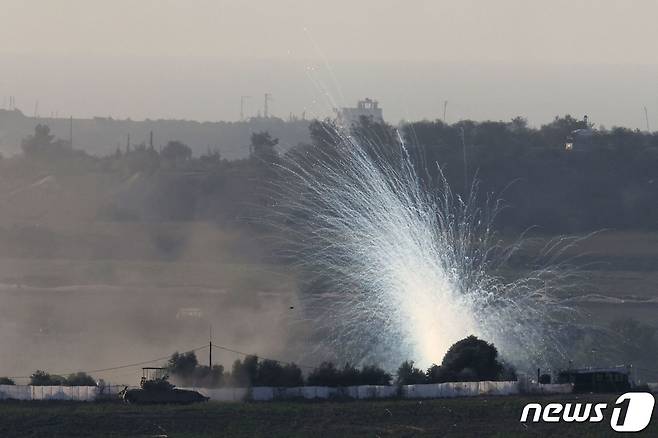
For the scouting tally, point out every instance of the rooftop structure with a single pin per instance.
(367, 107)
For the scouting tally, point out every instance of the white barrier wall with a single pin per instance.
(223, 394)
(267, 393)
(550, 388)
(438, 390)
(27, 392)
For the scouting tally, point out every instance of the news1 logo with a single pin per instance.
(631, 412)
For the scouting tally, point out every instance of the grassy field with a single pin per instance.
(494, 416)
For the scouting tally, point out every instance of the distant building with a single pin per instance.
(364, 108)
(580, 139)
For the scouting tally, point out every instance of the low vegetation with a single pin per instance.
(460, 417)
(42, 378)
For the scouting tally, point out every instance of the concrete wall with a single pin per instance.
(438, 390)
(267, 393)
(27, 392)
(459, 389)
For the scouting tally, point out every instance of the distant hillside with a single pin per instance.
(101, 136)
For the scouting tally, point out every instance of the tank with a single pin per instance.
(159, 390)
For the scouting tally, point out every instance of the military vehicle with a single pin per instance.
(155, 388)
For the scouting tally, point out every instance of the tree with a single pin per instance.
(182, 365)
(472, 359)
(263, 147)
(79, 379)
(349, 376)
(42, 378)
(272, 373)
(245, 372)
(206, 377)
(326, 374)
(292, 376)
(407, 374)
(269, 373)
(436, 374)
(42, 144)
(6, 381)
(373, 375)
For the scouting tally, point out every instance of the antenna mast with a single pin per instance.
(243, 101)
(646, 117)
(71, 131)
(266, 101)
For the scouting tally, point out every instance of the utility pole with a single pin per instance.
(71, 131)
(266, 101)
(445, 109)
(461, 128)
(243, 101)
(151, 140)
(210, 348)
(646, 117)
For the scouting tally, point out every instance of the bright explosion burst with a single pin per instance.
(407, 268)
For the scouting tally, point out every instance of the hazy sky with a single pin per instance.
(194, 58)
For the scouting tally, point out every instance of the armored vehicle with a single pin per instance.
(155, 388)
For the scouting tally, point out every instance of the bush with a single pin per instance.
(373, 375)
(272, 373)
(185, 371)
(42, 378)
(437, 374)
(208, 377)
(326, 374)
(245, 372)
(182, 365)
(6, 381)
(79, 379)
(407, 374)
(292, 376)
(349, 376)
(472, 359)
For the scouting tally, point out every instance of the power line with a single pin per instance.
(136, 364)
(265, 358)
(117, 367)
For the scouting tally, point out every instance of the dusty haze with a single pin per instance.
(193, 60)
(107, 261)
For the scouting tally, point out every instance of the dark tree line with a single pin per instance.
(468, 360)
(609, 181)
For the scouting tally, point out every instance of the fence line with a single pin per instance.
(437, 390)
(268, 393)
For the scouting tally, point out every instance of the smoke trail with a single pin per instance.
(402, 267)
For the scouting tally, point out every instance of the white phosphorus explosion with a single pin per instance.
(406, 267)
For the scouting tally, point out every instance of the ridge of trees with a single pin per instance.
(608, 181)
